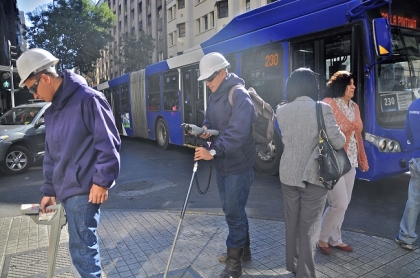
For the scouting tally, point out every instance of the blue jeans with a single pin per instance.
(412, 208)
(83, 221)
(233, 193)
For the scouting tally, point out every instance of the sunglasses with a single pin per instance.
(212, 77)
(34, 87)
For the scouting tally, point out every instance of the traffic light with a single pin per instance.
(5, 80)
(13, 53)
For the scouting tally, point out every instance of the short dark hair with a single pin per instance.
(302, 82)
(38, 74)
(336, 86)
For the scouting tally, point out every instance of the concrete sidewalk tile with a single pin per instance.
(138, 244)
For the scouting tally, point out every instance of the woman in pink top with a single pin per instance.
(340, 91)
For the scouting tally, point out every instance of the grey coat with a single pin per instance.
(299, 130)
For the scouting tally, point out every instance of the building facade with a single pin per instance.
(133, 17)
(176, 25)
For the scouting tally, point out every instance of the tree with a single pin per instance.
(136, 53)
(75, 31)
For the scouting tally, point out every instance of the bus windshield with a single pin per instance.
(398, 78)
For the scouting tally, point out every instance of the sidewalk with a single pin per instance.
(137, 243)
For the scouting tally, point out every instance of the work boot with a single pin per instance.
(246, 254)
(233, 267)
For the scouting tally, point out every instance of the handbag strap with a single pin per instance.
(320, 119)
(321, 137)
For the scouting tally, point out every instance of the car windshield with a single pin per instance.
(19, 116)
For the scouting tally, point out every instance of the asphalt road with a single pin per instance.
(152, 178)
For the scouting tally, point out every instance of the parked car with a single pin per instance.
(22, 137)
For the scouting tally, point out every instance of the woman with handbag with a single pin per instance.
(339, 92)
(304, 195)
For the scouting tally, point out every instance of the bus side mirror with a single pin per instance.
(382, 37)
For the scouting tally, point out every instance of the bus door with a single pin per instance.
(116, 108)
(124, 115)
(192, 96)
(328, 54)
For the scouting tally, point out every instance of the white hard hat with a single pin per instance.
(33, 61)
(211, 63)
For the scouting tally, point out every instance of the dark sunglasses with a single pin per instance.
(212, 77)
(34, 87)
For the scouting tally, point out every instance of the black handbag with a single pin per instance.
(333, 164)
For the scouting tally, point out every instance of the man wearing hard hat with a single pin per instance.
(232, 153)
(82, 147)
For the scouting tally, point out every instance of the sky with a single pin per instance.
(31, 5)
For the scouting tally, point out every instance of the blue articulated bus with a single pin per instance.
(378, 41)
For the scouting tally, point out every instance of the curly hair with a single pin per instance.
(336, 86)
(302, 82)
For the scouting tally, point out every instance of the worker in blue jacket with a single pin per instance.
(82, 148)
(407, 234)
(232, 153)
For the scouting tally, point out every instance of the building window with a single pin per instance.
(271, 1)
(206, 22)
(181, 4)
(247, 5)
(140, 25)
(159, 12)
(198, 25)
(211, 19)
(181, 30)
(132, 14)
(140, 7)
(171, 39)
(171, 14)
(119, 9)
(222, 9)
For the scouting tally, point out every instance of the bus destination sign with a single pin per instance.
(401, 21)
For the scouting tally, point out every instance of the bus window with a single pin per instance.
(398, 79)
(154, 92)
(337, 55)
(170, 91)
(303, 56)
(262, 69)
(232, 61)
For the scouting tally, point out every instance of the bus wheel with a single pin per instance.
(162, 134)
(267, 157)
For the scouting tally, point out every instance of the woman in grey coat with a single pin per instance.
(304, 195)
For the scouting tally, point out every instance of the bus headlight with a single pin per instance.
(383, 144)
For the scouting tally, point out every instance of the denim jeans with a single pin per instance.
(233, 193)
(83, 221)
(412, 208)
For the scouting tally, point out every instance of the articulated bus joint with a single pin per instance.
(383, 144)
